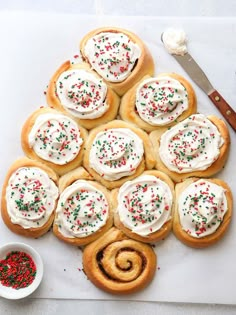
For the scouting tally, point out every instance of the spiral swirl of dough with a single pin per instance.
(118, 264)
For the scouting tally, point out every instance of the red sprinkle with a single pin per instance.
(17, 270)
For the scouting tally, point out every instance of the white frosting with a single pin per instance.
(175, 41)
(202, 206)
(82, 94)
(144, 204)
(55, 138)
(191, 145)
(30, 196)
(161, 100)
(112, 55)
(116, 153)
(81, 211)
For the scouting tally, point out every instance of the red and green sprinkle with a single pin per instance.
(17, 270)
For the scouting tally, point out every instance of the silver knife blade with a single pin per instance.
(195, 72)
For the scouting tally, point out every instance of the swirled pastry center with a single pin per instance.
(123, 264)
(31, 196)
(55, 138)
(192, 145)
(161, 100)
(112, 55)
(144, 204)
(202, 206)
(82, 210)
(116, 153)
(82, 94)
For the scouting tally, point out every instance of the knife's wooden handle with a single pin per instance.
(225, 109)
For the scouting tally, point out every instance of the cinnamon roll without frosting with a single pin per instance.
(119, 265)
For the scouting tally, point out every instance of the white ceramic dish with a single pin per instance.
(13, 294)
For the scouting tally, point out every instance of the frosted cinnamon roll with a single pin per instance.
(158, 102)
(118, 56)
(203, 211)
(119, 265)
(77, 90)
(53, 138)
(29, 198)
(84, 210)
(197, 146)
(144, 206)
(117, 152)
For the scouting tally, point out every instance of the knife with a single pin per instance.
(198, 76)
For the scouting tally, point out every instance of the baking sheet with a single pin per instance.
(33, 45)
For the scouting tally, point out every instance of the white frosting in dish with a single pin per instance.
(144, 204)
(82, 210)
(116, 153)
(82, 94)
(175, 41)
(191, 145)
(55, 138)
(202, 206)
(31, 197)
(112, 55)
(161, 100)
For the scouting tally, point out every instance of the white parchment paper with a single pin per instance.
(33, 46)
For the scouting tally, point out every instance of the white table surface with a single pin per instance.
(212, 8)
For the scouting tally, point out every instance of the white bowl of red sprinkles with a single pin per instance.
(21, 270)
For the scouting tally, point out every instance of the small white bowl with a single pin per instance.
(13, 294)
